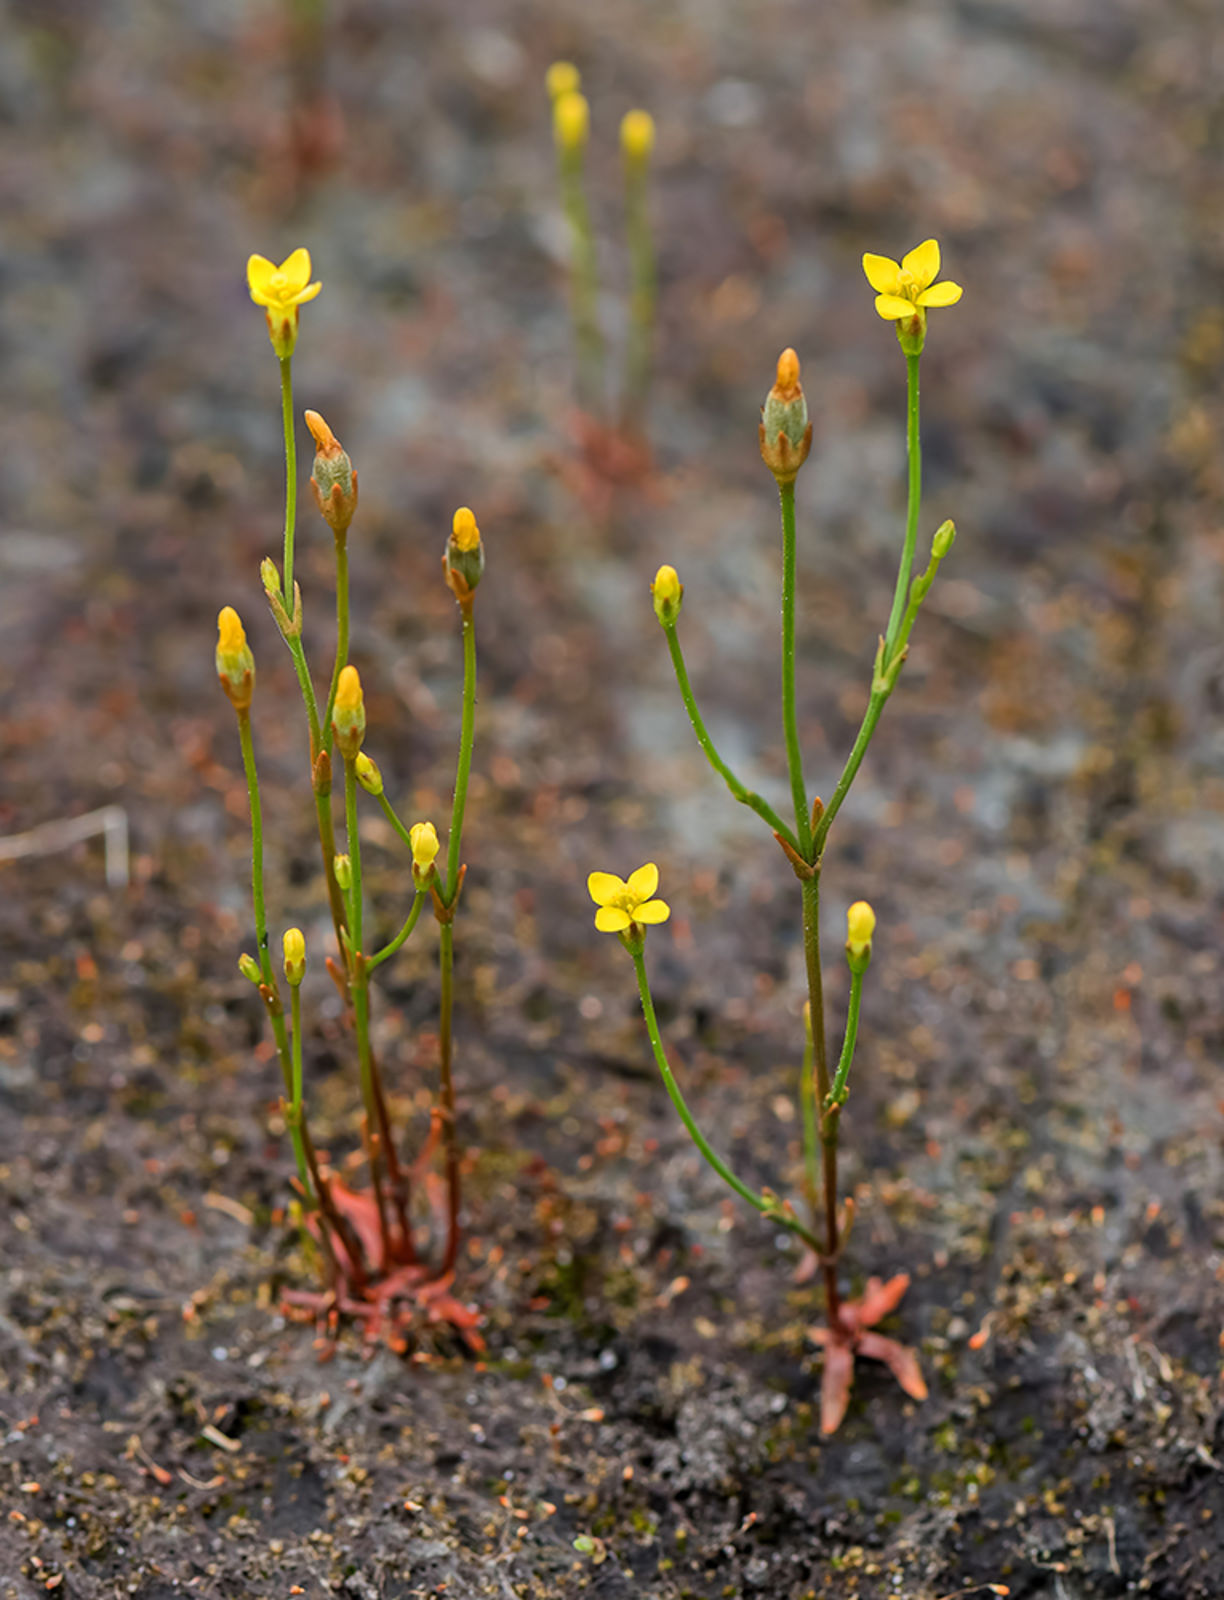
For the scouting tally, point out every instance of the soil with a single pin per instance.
(1035, 1126)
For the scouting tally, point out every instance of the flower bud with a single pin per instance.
(342, 867)
(295, 956)
(249, 968)
(464, 560)
(785, 432)
(637, 135)
(668, 594)
(571, 121)
(333, 481)
(235, 663)
(945, 534)
(269, 576)
(368, 775)
(423, 837)
(562, 78)
(860, 925)
(348, 713)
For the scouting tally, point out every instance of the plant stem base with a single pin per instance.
(393, 1303)
(850, 1336)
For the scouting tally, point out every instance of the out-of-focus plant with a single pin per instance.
(904, 291)
(378, 1261)
(571, 132)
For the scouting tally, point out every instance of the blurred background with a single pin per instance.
(1040, 823)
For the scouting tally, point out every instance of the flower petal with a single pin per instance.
(604, 887)
(308, 293)
(296, 270)
(653, 911)
(643, 883)
(259, 275)
(611, 919)
(941, 294)
(892, 308)
(883, 274)
(922, 264)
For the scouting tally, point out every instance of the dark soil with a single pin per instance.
(1035, 1131)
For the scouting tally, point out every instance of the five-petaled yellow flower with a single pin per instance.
(907, 289)
(621, 904)
(281, 290)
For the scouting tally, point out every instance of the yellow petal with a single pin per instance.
(604, 887)
(941, 294)
(653, 911)
(892, 308)
(883, 274)
(922, 264)
(259, 275)
(296, 270)
(643, 883)
(611, 919)
(308, 293)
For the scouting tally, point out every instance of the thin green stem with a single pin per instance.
(875, 707)
(257, 866)
(446, 1088)
(353, 841)
(467, 734)
(743, 794)
(295, 1112)
(390, 949)
(641, 295)
(584, 284)
(820, 1064)
(811, 1124)
(838, 1092)
(395, 820)
(768, 1207)
(913, 448)
(794, 756)
(286, 377)
(342, 633)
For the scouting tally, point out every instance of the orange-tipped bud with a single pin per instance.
(464, 559)
(332, 481)
(785, 432)
(348, 713)
(235, 663)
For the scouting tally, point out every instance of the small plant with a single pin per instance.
(904, 291)
(619, 451)
(375, 1262)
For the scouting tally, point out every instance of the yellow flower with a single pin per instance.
(281, 290)
(423, 837)
(637, 133)
(908, 289)
(571, 120)
(464, 530)
(562, 78)
(622, 904)
(235, 663)
(295, 956)
(464, 560)
(668, 592)
(348, 713)
(860, 925)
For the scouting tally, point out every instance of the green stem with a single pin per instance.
(913, 448)
(820, 1063)
(394, 819)
(875, 707)
(794, 756)
(811, 1124)
(353, 840)
(446, 1087)
(342, 633)
(295, 1113)
(286, 377)
(767, 1207)
(838, 1092)
(584, 284)
(390, 949)
(744, 795)
(467, 734)
(257, 867)
(641, 295)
